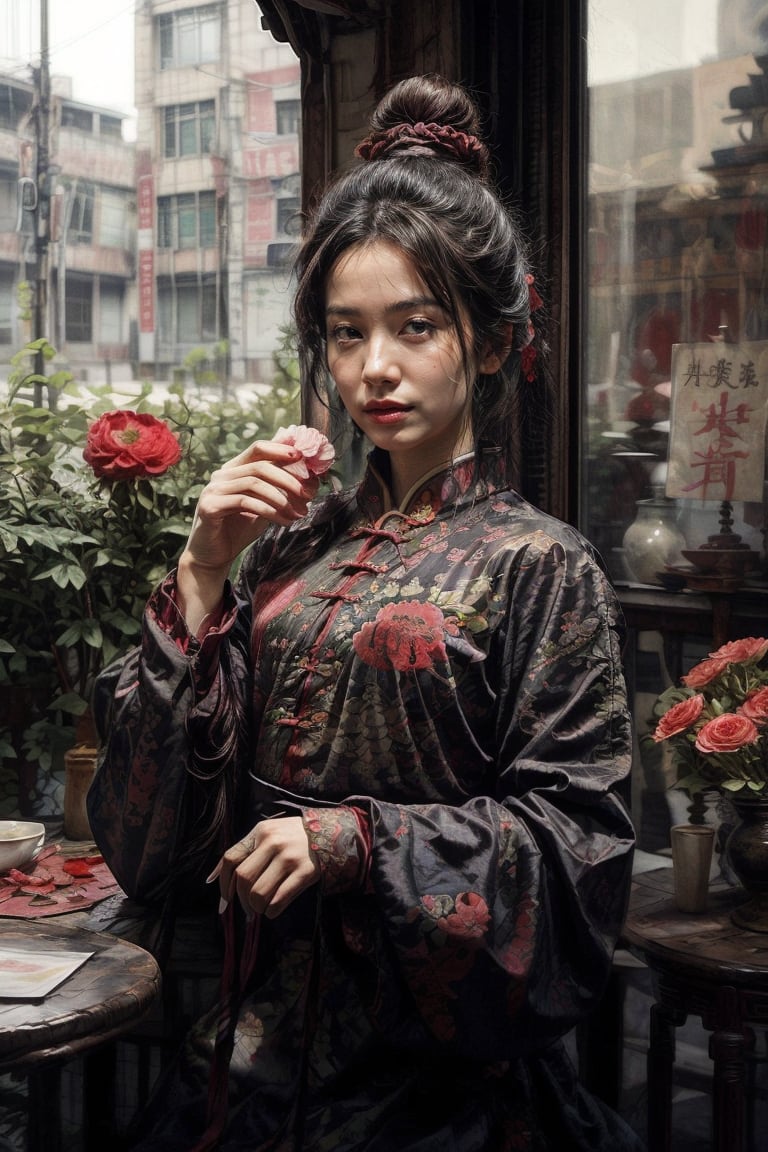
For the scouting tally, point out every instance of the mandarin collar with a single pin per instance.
(463, 481)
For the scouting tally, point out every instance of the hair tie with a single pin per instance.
(463, 145)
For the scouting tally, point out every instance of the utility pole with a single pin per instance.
(43, 197)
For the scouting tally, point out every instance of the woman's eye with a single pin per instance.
(419, 327)
(344, 332)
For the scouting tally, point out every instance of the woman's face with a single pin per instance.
(396, 360)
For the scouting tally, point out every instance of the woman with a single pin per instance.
(395, 744)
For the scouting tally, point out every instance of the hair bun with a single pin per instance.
(427, 114)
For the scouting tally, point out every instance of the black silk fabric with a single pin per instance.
(445, 675)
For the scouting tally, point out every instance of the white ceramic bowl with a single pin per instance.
(20, 842)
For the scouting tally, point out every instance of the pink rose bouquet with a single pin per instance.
(717, 720)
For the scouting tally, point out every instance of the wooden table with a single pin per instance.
(112, 990)
(702, 965)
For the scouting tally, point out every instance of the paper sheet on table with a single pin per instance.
(30, 975)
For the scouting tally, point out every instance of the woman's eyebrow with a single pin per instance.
(396, 306)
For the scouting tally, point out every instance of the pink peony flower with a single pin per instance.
(726, 733)
(317, 452)
(679, 718)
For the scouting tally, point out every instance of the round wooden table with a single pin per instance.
(703, 965)
(100, 1001)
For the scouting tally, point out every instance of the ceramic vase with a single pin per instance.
(653, 541)
(747, 850)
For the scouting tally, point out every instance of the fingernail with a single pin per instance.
(223, 905)
(214, 875)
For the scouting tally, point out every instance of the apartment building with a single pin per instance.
(90, 229)
(217, 177)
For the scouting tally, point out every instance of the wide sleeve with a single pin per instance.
(170, 719)
(500, 916)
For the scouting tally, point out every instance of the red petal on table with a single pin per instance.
(38, 889)
(77, 867)
(42, 877)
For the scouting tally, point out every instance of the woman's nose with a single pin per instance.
(382, 365)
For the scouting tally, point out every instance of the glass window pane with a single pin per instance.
(112, 225)
(188, 138)
(169, 132)
(188, 307)
(110, 318)
(677, 252)
(207, 220)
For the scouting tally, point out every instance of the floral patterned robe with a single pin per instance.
(437, 690)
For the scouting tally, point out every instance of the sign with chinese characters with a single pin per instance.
(717, 431)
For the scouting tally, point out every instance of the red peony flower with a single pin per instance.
(317, 452)
(750, 650)
(755, 707)
(705, 672)
(406, 636)
(679, 718)
(124, 444)
(726, 733)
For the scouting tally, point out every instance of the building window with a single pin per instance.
(9, 202)
(113, 213)
(14, 105)
(190, 36)
(79, 118)
(80, 229)
(287, 116)
(6, 306)
(110, 126)
(111, 314)
(188, 129)
(187, 221)
(186, 312)
(79, 311)
(288, 222)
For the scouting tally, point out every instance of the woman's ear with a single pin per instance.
(493, 357)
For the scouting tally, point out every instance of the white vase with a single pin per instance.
(653, 542)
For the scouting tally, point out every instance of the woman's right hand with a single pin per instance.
(240, 500)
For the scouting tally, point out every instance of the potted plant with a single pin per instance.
(95, 503)
(716, 723)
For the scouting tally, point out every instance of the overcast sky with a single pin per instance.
(631, 38)
(89, 40)
(92, 41)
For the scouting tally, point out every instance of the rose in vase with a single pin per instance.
(716, 721)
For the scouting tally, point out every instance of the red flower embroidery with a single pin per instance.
(406, 636)
(469, 918)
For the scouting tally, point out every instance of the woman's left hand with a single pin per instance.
(269, 867)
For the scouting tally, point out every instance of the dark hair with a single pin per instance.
(424, 189)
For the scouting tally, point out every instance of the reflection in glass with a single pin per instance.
(677, 186)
